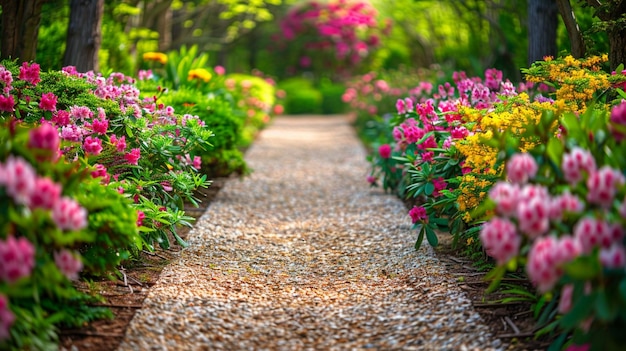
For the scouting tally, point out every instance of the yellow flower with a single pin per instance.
(199, 73)
(155, 56)
(470, 241)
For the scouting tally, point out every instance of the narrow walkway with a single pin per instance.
(303, 255)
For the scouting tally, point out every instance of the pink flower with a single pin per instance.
(71, 132)
(20, 179)
(61, 118)
(533, 216)
(81, 112)
(428, 156)
(197, 162)
(591, 233)
(48, 102)
(408, 103)
(418, 214)
(68, 264)
(92, 145)
(384, 151)
(219, 70)
(401, 107)
(618, 119)
(30, 73)
(543, 264)
(565, 202)
(67, 214)
(614, 256)
(305, 61)
(45, 137)
(6, 318)
(45, 194)
(521, 167)
(506, 196)
(120, 144)
(585, 347)
(575, 163)
(371, 179)
(440, 184)
(140, 217)
(565, 302)
(602, 186)
(7, 103)
(459, 132)
(17, 259)
(500, 239)
(167, 186)
(100, 126)
(133, 156)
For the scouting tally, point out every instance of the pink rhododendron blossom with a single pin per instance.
(459, 132)
(167, 186)
(197, 162)
(61, 118)
(384, 151)
(67, 214)
(543, 266)
(19, 179)
(68, 264)
(506, 197)
(17, 259)
(45, 137)
(145, 74)
(48, 102)
(521, 167)
(7, 103)
(371, 179)
(140, 217)
(6, 318)
(81, 113)
(101, 171)
(531, 191)
(30, 73)
(100, 126)
(92, 145)
(565, 203)
(428, 156)
(408, 103)
(71, 132)
(6, 78)
(500, 240)
(45, 194)
(133, 156)
(219, 70)
(418, 214)
(614, 256)
(120, 144)
(575, 163)
(602, 186)
(533, 216)
(440, 184)
(618, 119)
(591, 232)
(565, 302)
(401, 107)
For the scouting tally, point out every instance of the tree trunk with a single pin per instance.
(84, 34)
(573, 31)
(617, 47)
(20, 28)
(542, 24)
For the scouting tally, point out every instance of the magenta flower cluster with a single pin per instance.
(527, 211)
(343, 28)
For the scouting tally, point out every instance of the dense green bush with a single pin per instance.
(332, 93)
(301, 96)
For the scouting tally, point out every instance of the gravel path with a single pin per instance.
(303, 255)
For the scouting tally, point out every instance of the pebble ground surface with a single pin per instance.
(304, 255)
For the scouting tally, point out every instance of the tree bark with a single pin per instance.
(617, 47)
(84, 34)
(542, 24)
(20, 28)
(573, 31)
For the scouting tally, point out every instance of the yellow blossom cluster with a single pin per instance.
(576, 80)
(472, 194)
(200, 74)
(155, 56)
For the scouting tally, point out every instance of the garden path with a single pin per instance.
(302, 254)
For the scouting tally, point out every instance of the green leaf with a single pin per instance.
(572, 124)
(555, 150)
(604, 309)
(431, 236)
(495, 275)
(429, 188)
(583, 268)
(420, 238)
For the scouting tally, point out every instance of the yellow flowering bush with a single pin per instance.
(156, 57)
(199, 74)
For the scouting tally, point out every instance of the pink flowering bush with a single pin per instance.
(331, 36)
(563, 203)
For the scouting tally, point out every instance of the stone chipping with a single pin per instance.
(304, 255)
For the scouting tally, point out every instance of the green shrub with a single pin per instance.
(302, 97)
(331, 97)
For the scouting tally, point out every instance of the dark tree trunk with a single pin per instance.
(542, 24)
(573, 31)
(20, 28)
(84, 34)
(617, 47)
